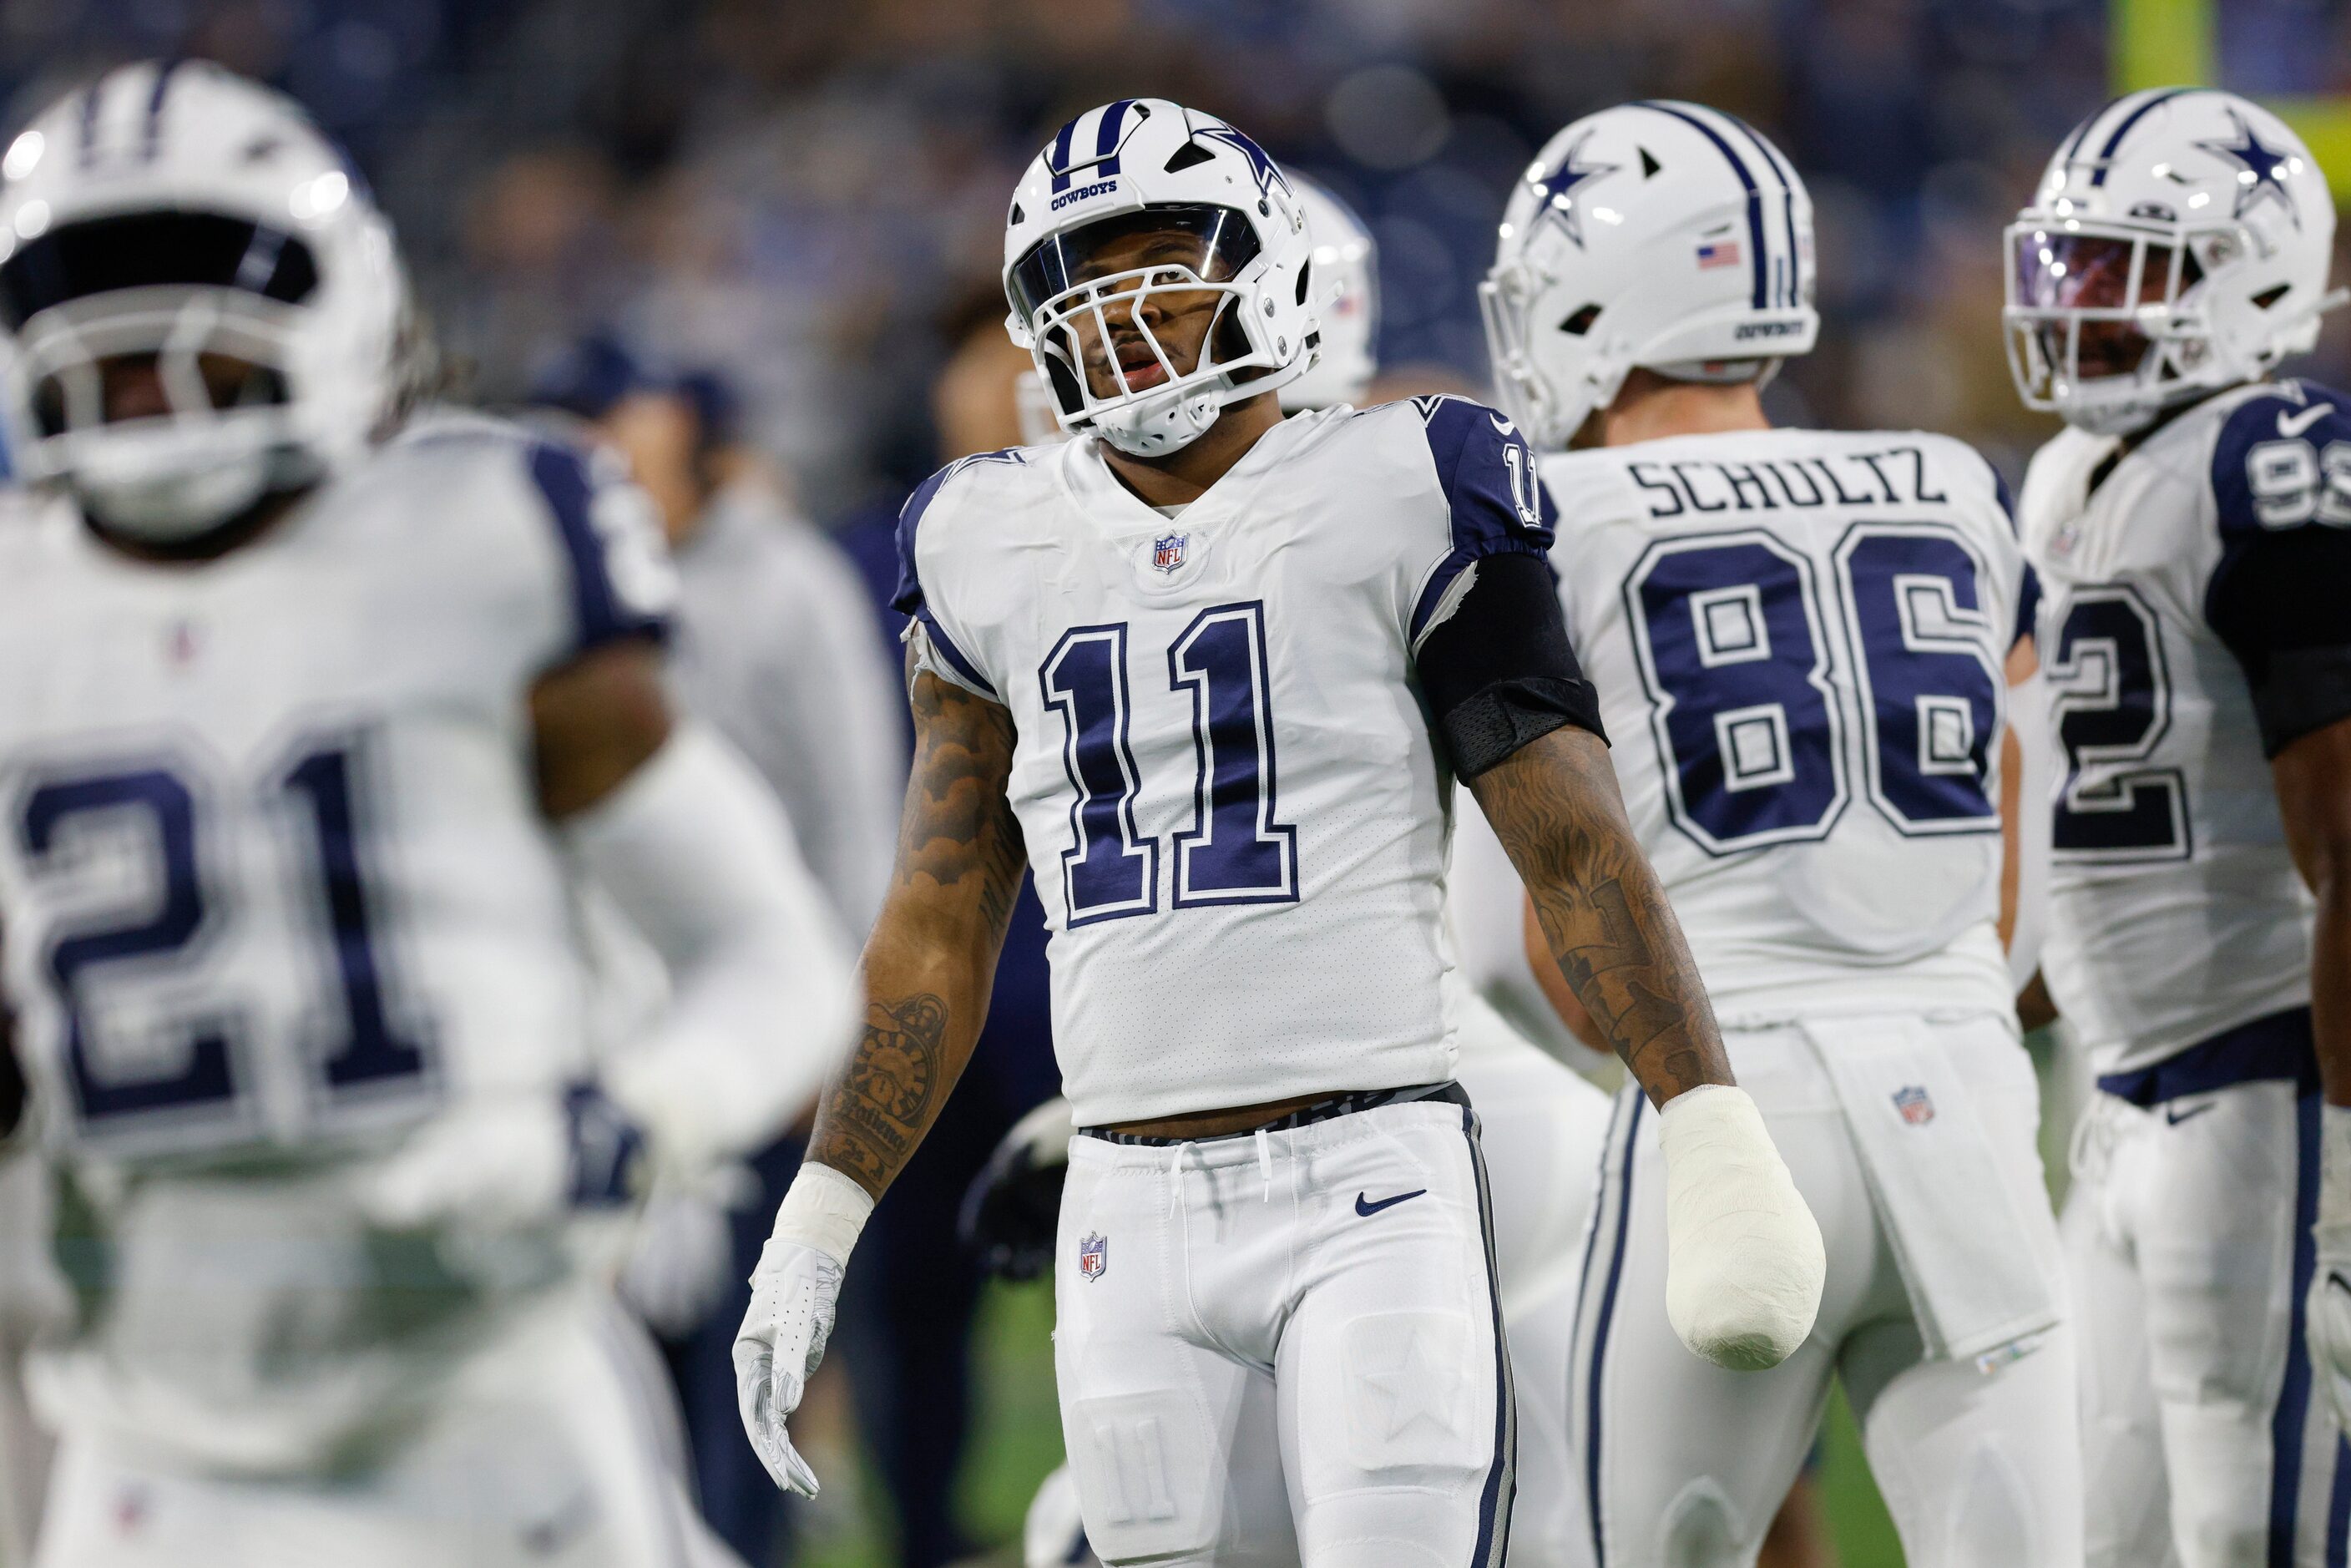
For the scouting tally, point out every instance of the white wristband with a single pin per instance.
(823, 1209)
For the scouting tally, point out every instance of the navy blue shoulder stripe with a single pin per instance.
(600, 613)
(909, 599)
(1739, 166)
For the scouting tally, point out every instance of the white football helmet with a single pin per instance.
(2177, 243)
(1658, 234)
(1084, 288)
(173, 212)
(1346, 285)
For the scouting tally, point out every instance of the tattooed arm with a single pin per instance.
(1744, 1263)
(930, 960)
(1555, 806)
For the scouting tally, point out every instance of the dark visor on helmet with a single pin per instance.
(1214, 242)
(140, 250)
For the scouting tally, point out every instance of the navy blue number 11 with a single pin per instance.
(1236, 851)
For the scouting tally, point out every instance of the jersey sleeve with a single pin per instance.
(616, 568)
(2280, 596)
(2028, 583)
(1495, 502)
(935, 648)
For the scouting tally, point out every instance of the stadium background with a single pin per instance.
(807, 196)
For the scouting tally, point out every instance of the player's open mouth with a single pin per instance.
(1141, 368)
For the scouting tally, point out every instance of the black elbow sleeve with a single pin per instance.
(1499, 672)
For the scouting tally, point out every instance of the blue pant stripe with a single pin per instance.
(1501, 1477)
(2294, 1399)
(2339, 1509)
(1600, 1328)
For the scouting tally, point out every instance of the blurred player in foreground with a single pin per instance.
(1803, 640)
(1540, 1124)
(313, 717)
(1211, 674)
(2191, 528)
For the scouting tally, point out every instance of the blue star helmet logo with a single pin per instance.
(2262, 170)
(1260, 166)
(1556, 187)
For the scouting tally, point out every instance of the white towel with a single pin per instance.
(1975, 1280)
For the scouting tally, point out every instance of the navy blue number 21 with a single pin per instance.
(1236, 851)
(366, 1049)
(1733, 650)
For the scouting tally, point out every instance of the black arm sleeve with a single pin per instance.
(1499, 672)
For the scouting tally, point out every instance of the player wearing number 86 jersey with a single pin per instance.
(1802, 639)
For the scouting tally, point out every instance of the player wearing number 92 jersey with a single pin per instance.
(1802, 640)
(317, 717)
(2193, 530)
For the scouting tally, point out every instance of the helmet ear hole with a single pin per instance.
(1191, 155)
(1580, 320)
(1305, 271)
(2268, 296)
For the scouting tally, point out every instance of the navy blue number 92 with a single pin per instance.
(159, 808)
(1734, 649)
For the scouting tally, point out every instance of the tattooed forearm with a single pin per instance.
(877, 1110)
(1555, 806)
(931, 959)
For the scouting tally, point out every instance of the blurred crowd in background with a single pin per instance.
(807, 194)
(755, 244)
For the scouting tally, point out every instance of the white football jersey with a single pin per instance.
(1233, 805)
(2176, 913)
(274, 881)
(1799, 638)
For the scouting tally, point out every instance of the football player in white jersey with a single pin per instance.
(1215, 671)
(310, 725)
(1540, 1124)
(2190, 528)
(1802, 640)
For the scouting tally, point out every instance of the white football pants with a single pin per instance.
(547, 1454)
(1685, 1464)
(2188, 1232)
(1286, 1347)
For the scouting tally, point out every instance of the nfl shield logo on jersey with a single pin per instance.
(1168, 551)
(1916, 1107)
(1094, 1256)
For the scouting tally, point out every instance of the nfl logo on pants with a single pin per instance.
(1094, 1256)
(1916, 1107)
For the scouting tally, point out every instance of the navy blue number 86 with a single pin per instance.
(1735, 653)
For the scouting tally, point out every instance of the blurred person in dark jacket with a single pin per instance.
(776, 645)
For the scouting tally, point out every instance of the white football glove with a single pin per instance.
(1744, 1264)
(2328, 1306)
(507, 1164)
(681, 1259)
(793, 1292)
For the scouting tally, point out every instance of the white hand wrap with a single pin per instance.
(1744, 1264)
(793, 1292)
(2328, 1307)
